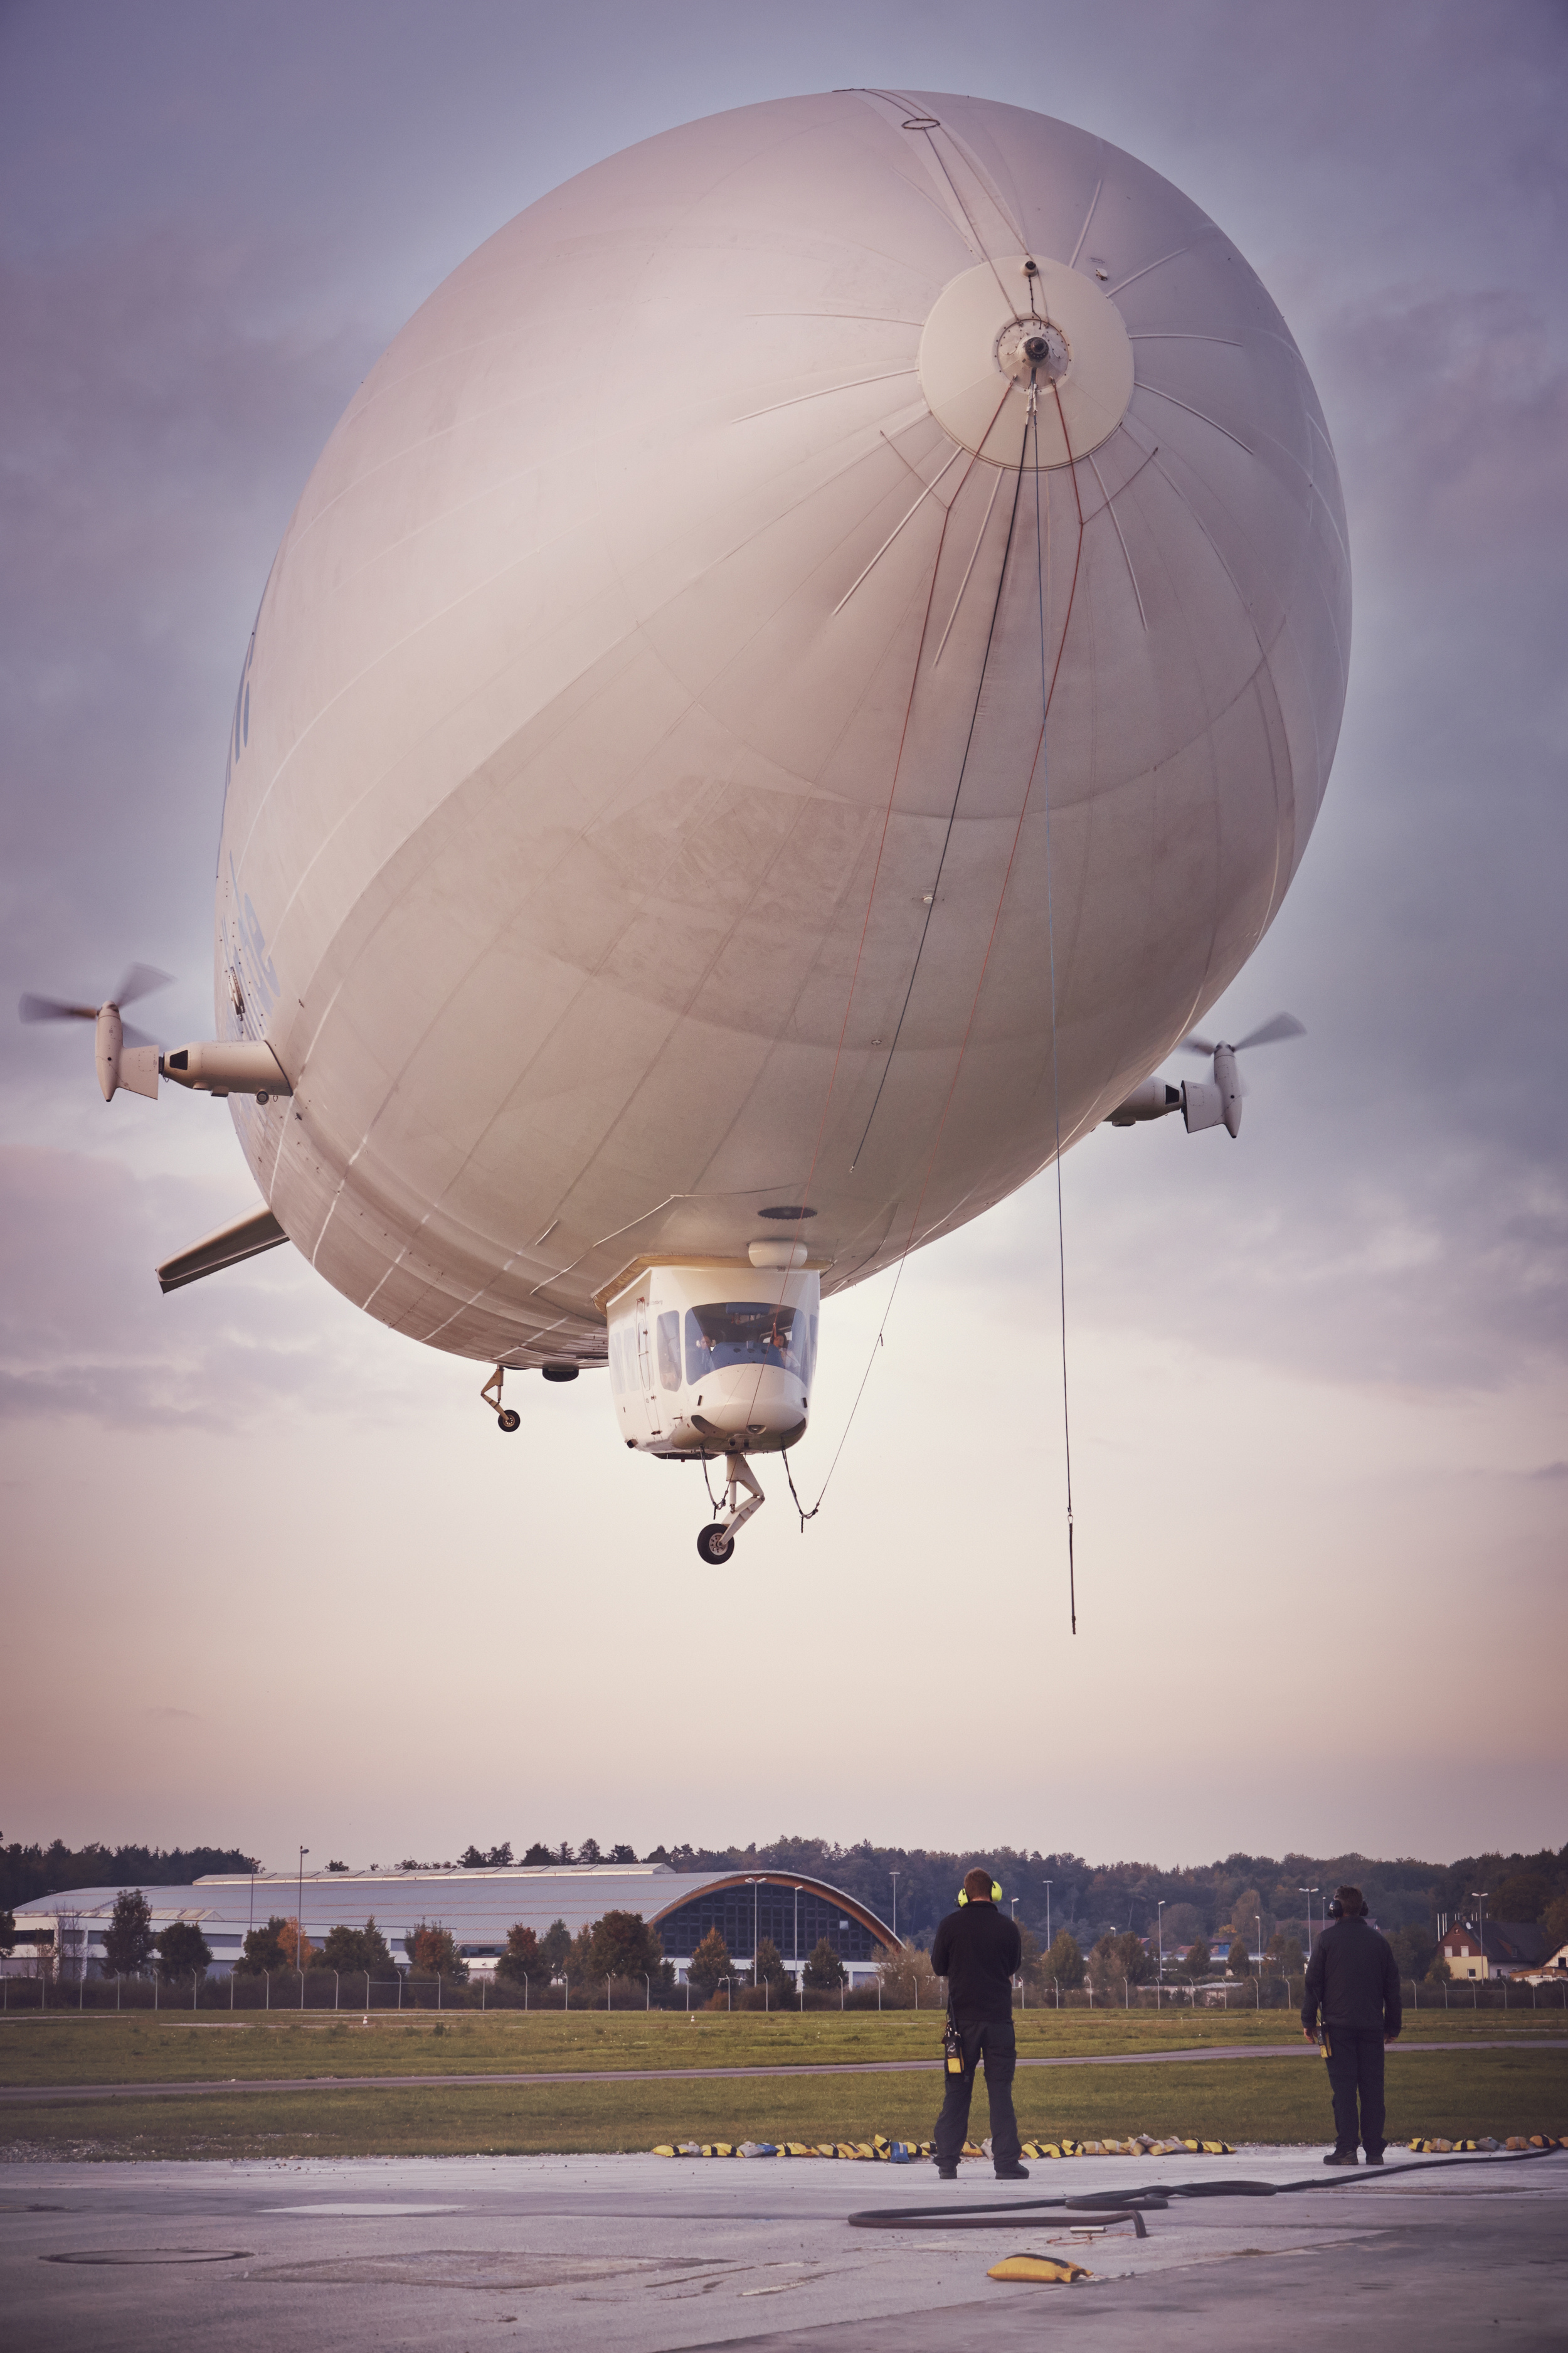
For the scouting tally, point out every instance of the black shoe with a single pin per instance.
(1011, 2173)
(1341, 2156)
(1373, 2156)
(947, 2173)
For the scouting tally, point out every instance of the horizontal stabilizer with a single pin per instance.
(247, 1237)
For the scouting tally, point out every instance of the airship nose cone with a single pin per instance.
(1018, 325)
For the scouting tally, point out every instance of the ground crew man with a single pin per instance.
(978, 1952)
(1354, 1981)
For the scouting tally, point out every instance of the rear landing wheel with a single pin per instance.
(715, 1545)
(508, 1421)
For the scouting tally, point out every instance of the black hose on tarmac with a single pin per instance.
(1153, 2197)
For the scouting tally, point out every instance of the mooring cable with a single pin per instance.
(1048, 691)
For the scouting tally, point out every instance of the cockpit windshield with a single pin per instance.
(748, 1332)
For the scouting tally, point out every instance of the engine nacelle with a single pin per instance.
(119, 1066)
(1153, 1100)
(240, 1067)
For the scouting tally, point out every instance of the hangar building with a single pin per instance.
(480, 1907)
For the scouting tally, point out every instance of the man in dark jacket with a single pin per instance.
(1354, 1982)
(978, 1952)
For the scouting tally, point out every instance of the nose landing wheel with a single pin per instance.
(716, 1543)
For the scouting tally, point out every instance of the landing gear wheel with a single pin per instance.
(715, 1545)
(508, 1421)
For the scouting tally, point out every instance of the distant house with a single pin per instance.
(1510, 1946)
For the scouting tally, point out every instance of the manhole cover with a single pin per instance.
(149, 2255)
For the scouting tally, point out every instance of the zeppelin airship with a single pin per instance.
(802, 673)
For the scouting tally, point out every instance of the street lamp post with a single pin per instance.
(300, 1924)
(1309, 1893)
(1049, 1885)
(1159, 1941)
(894, 1877)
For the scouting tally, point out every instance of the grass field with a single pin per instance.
(57, 2048)
(1464, 2091)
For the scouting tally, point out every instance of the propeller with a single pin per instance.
(139, 981)
(1284, 1025)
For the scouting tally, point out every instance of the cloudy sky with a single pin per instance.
(269, 1577)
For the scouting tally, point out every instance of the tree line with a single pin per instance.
(27, 1873)
(1257, 1904)
(1247, 1899)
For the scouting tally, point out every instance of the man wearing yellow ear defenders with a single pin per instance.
(978, 1951)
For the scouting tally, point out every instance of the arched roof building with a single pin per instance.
(480, 1907)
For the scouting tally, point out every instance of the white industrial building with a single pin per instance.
(478, 1907)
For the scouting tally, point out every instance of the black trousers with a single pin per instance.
(997, 2046)
(1355, 2067)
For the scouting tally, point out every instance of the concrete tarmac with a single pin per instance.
(376, 2255)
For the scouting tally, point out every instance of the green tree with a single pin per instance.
(1246, 1910)
(1522, 1896)
(554, 1947)
(1199, 1960)
(7, 1930)
(537, 1857)
(623, 1854)
(1284, 1958)
(622, 1945)
(824, 1972)
(1413, 1951)
(128, 1939)
(351, 1950)
(1556, 1923)
(522, 1958)
(1116, 1962)
(1062, 1962)
(1239, 1960)
(710, 1962)
(432, 1953)
(769, 1969)
(182, 1953)
(263, 1950)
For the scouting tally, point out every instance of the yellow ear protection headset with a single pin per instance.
(995, 1892)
